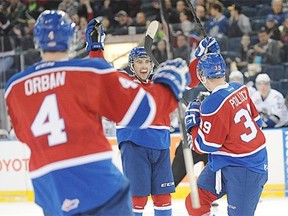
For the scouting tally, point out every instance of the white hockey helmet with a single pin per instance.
(263, 78)
(236, 76)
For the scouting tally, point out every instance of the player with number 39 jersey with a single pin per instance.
(56, 107)
(227, 126)
(228, 117)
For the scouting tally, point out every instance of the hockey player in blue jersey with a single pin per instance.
(227, 126)
(145, 153)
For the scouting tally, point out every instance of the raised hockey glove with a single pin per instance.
(192, 115)
(95, 35)
(207, 45)
(174, 74)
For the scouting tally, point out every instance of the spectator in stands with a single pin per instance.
(82, 28)
(183, 48)
(107, 26)
(284, 38)
(208, 6)
(243, 59)
(270, 103)
(133, 7)
(25, 34)
(6, 46)
(186, 24)
(239, 23)
(201, 14)
(172, 13)
(123, 22)
(34, 8)
(284, 30)
(180, 6)
(79, 37)
(69, 6)
(267, 50)
(16, 13)
(277, 10)
(86, 9)
(160, 51)
(285, 6)
(105, 10)
(272, 28)
(140, 22)
(200, 2)
(217, 26)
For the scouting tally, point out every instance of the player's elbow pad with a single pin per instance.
(272, 121)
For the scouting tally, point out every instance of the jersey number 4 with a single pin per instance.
(48, 121)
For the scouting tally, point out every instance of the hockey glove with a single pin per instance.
(95, 35)
(207, 45)
(192, 115)
(174, 74)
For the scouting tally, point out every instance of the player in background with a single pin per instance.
(56, 107)
(227, 126)
(237, 76)
(145, 153)
(270, 103)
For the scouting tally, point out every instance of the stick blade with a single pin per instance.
(193, 73)
(152, 29)
(148, 42)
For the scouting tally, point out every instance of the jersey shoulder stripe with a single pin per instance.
(214, 102)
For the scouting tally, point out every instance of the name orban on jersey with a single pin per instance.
(238, 98)
(45, 82)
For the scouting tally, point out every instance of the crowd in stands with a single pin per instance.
(252, 34)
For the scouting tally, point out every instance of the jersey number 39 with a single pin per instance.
(248, 123)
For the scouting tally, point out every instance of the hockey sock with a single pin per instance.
(162, 205)
(139, 203)
(206, 198)
(163, 212)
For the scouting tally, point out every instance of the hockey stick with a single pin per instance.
(149, 36)
(188, 159)
(196, 18)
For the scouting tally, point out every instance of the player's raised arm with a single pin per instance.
(95, 37)
(136, 106)
(172, 74)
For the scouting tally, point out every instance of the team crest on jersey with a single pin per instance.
(68, 204)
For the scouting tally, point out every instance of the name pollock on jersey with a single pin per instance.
(44, 83)
(238, 99)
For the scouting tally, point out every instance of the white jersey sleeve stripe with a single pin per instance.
(152, 112)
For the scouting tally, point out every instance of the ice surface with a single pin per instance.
(266, 207)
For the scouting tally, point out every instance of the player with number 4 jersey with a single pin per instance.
(56, 107)
(227, 126)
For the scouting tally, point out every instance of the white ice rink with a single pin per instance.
(267, 207)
